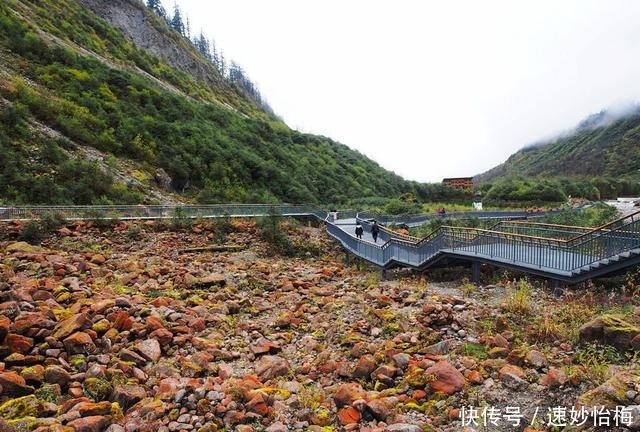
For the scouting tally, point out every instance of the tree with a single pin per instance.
(176, 22)
(202, 45)
(222, 66)
(156, 6)
(214, 54)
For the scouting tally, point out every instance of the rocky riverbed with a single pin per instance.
(144, 327)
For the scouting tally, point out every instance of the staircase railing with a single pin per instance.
(563, 232)
(534, 251)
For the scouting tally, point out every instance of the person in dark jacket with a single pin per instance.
(359, 231)
(375, 230)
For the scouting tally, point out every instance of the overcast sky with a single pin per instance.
(431, 89)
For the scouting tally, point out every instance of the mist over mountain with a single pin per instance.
(606, 143)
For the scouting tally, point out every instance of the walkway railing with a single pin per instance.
(159, 212)
(563, 251)
(552, 249)
(421, 218)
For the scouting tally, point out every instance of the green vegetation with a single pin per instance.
(519, 191)
(594, 216)
(272, 231)
(601, 159)
(212, 153)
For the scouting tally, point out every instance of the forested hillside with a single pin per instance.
(600, 158)
(90, 114)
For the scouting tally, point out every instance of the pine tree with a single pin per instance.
(223, 65)
(176, 22)
(156, 6)
(202, 44)
(214, 54)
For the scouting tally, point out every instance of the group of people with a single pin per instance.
(442, 212)
(375, 230)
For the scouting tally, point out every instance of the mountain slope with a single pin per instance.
(603, 145)
(70, 81)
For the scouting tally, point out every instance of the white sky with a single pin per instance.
(431, 89)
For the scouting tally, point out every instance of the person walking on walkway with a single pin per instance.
(375, 229)
(359, 230)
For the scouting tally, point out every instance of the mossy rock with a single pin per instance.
(612, 392)
(24, 424)
(26, 406)
(611, 330)
(49, 393)
(97, 389)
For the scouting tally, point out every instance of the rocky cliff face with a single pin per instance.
(147, 31)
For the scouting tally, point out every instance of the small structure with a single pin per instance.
(459, 182)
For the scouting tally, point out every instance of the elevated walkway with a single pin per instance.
(562, 253)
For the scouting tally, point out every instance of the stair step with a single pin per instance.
(625, 254)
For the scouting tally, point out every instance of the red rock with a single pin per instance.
(379, 409)
(554, 377)
(197, 325)
(349, 415)
(475, 377)
(163, 336)
(128, 395)
(89, 424)
(265, 346)
(26, 321)
(511, 369)
(258, 405)
(167, 388)
(536, 359)
(499, 341)
(161, 301)
(88, 409)
(270, 367)
(366, 365)
(214, 279)
(154, 323)
(454, 414)
(443, 377)
(150, 349)
(98, 259)
(13, 384)
(65, 232)
(18, 343)
(102, 305)
(79, 343)
(121, 320)
(70, 325)
(347, 393)
(33, 374)
(419, 394)
(5, 325)
(56, 375)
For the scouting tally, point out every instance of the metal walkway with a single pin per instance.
(564, 253)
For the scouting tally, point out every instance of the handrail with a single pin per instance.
(609, 224)
(514, 222)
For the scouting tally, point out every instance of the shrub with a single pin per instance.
(32, 232)
(518, 299)
(273, 232)
(52, 222)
